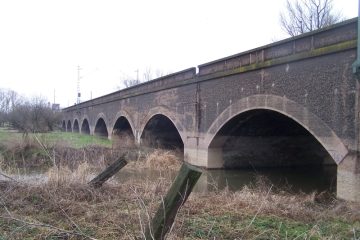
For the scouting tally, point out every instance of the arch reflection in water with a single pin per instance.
(296, 179)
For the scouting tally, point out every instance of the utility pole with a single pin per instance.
(78, 89)
(137, 75)
(78, 86)
(78, 92)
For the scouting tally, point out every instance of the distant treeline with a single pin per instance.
(32, 114)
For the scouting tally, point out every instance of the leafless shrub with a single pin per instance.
(33, 116)
(303, 16)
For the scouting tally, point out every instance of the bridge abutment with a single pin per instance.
(210, 158)
(348, 178)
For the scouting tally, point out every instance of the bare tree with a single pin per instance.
(129, 82)
(147, 75)
(303, 16)
(8, 100)
(159, 72)
(34, 115)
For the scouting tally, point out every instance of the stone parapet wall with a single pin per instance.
(335, 34)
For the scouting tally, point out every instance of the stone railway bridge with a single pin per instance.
(290, 103)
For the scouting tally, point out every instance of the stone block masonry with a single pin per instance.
(292, 102)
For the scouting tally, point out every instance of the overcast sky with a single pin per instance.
(42, 43)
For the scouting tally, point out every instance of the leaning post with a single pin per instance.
(109, 172)
(175, 197)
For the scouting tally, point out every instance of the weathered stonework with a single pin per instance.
(305, 80)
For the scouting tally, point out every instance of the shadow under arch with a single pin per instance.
(68, 126)
(101, 126)
(63, 126)
(162, 110)
(315, 126)
(125, 115)
(123, 131)
(85, 125)
(161, 129)
(76, 128)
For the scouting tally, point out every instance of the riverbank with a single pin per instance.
(61, 203)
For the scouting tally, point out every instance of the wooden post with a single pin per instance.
(176, 196)
(109, 172)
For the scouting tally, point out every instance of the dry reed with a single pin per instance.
(63, 199)
(158, 160)
(123, 210)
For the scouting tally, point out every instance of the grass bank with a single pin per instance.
(45, 149)
(72, 149)
(54, 138)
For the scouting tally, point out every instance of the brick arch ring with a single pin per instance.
(126, 115)
(163, 110)
(323, 133)
(83, 119)
(98, 116)
(101, 115)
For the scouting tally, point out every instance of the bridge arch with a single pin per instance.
(68, 126)
(76, 128)
(309, 121)
(126, 115)
(63, 126)
(163, 118)
(101, 124)
(85, 125)
(123, 132)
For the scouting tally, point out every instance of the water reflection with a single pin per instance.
(305, 179)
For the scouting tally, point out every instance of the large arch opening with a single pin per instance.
(274, 145)
(85, 128)
(101, 129)
(63, 126)
(160, 132)
(122, 134)
(68, 127)
(266, 138)
(76, 128)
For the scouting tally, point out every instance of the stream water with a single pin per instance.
(305, 179)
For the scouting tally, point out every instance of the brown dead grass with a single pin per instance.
(63, 198)
(111, 211)
(158, 159)
(123, 210)
(123, 140)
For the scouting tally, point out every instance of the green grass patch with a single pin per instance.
(233, 225)
(76, 140)
(52, 138)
